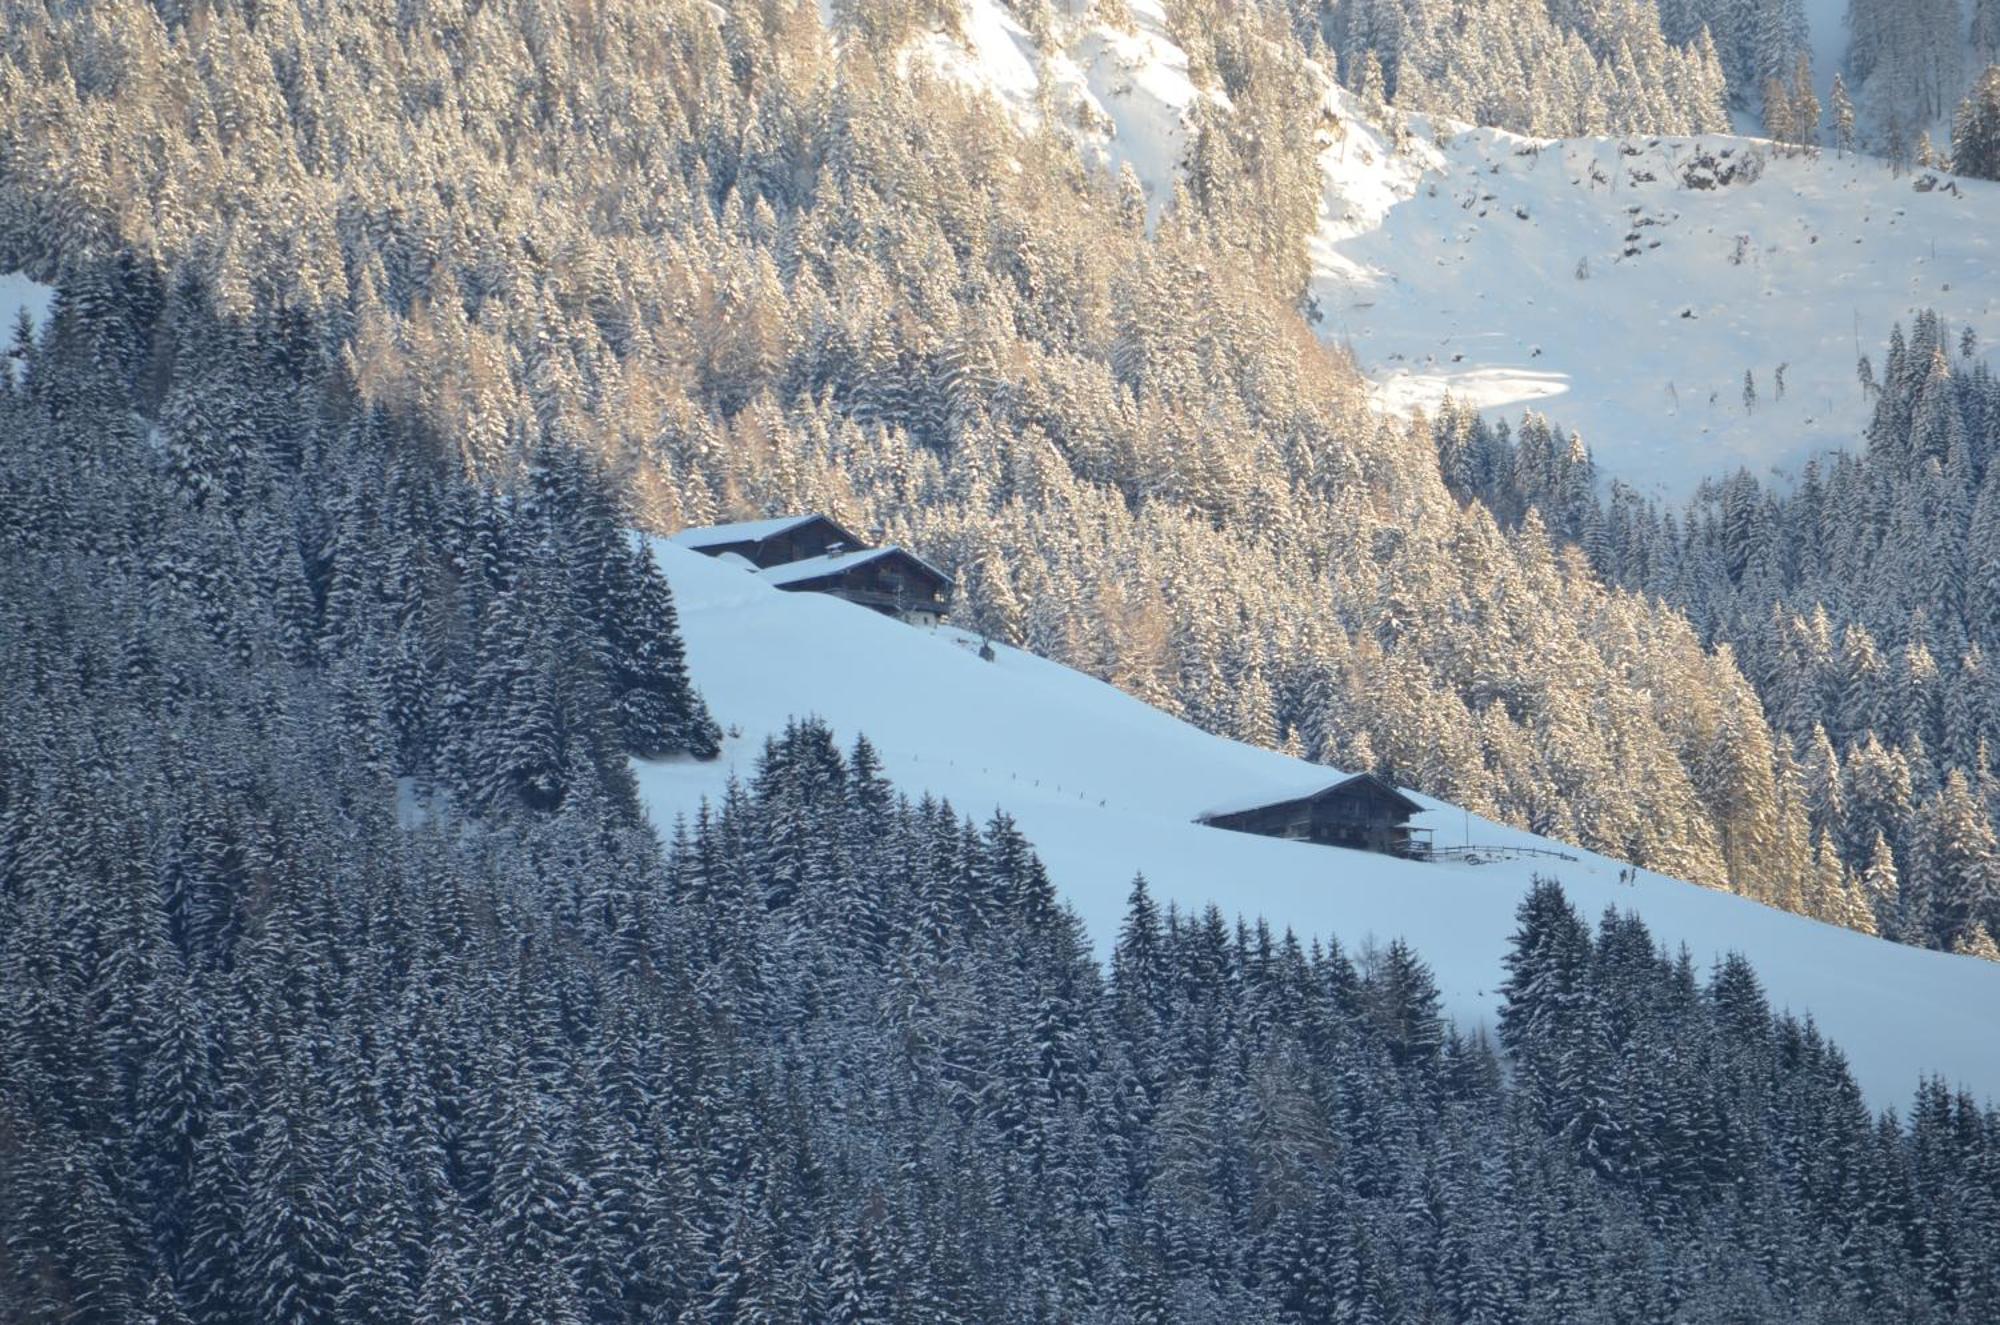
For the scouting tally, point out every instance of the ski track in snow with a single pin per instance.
(1105, 786)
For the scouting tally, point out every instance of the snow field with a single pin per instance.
(1591, 279)
(1106, 787)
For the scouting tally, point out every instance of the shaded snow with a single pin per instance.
(1105, 786)
(18, 292)
(742, 531)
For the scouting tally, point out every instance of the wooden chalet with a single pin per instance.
(890, 580)
(813, 554)
(1362, 813)
(774, 542)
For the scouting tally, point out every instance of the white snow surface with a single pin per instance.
(1123, 93)
(1105, 787)
(742, 531)
(1454, 269)
(16, 293)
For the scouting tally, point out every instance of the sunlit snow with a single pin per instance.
(1588, 279)
(1122, 92)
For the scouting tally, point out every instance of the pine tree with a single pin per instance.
(1953, 881)
(1983, 34)
(1882, 885)
(1805, 127)
(163, 1305)
(1548, 1002)
(1975, 128)
(526, 1273)
(1781, 125)
(1843, 115)
(291, 1225)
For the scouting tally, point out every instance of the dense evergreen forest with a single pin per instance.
(1862, 602)
(743, 270)
(1558, 68)
(340, 979)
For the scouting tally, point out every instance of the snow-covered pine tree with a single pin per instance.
(1975, 127)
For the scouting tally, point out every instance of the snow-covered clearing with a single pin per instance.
(18, 293)
(1105, 787)
(1123, 93)
(1590, 279)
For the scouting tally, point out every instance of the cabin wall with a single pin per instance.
(804, 543)
(1293, 822)
(1358, 823)
(892, 580)
(891, 587)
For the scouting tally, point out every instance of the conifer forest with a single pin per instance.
(361, 356)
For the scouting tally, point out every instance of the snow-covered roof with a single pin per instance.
(812, 568)
(1243, 803)
(742, 531)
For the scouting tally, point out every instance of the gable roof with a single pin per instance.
(813, 568)
(1359, 782)
(751, 531)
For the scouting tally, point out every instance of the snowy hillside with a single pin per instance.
(1122, 92)
(1624, 288)
(1106, 786)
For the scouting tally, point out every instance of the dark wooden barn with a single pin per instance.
(887, 579)
(774, 542)
(1363, 813)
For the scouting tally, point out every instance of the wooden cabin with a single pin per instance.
(1362, 813)
(813, 554)
(775, 542)
(889, 580)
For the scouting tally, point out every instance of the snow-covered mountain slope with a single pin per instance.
(1105, 787)
(17, 292)
(1595, 279)
(1122, 92)
(1627, 281)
